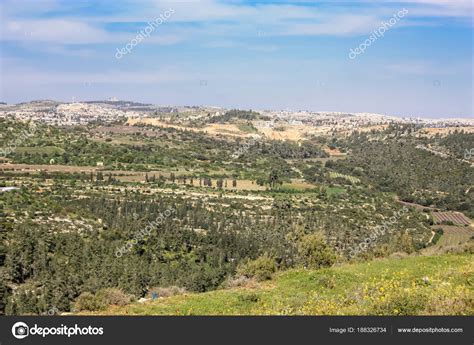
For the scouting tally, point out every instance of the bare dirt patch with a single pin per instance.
(211, 129)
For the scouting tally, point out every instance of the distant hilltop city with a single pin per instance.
(113, 109)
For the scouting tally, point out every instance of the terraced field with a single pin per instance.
(452, 236)
(349, 178)
(455, 217)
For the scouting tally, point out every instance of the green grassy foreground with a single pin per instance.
(420, 285)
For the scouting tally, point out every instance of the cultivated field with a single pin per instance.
(211, 129)
(453, 236)
(36, 168)
(455, 217)
(349, 178)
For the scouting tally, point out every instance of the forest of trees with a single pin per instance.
(194, 247)
(237, 115)
(394, 164)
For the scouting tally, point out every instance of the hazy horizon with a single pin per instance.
(244, 54)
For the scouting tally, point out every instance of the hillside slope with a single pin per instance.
(417, 285)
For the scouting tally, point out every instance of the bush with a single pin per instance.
(166, 291)
(328, 282)
(112, 296)
(239, 281)
(101, 300)
(260, 269)
(401, 304)
(250, 298)
(467, 248)
(88, 302)
(461, 303)
(398, 255)
(314, 252)
(381, 251)
(404, 243)
(447, 222)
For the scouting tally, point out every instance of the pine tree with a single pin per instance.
(4, 289)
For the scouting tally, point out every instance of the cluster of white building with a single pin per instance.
(65, 114)
(347, 121)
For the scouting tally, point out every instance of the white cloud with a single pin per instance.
(442, 8)
(75, 32)
(213, 18)
(53, 30)
(340, 25)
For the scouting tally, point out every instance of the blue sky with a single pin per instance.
(245, 54)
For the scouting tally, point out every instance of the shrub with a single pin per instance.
(447, 222)
(239, 281)
(166, 291)
(467, 248)
(112, 296)
(381, 251)
(248, 298)
(101, 300)
(461, 303)
(88, 302)
(398, 255)
(314, 252)
(404, 243)
(260, 269)
(401, 304)
(327, 282)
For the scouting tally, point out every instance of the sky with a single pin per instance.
(404, 58)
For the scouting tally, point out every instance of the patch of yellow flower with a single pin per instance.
(398, 294)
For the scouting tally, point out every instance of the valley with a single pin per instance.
(103, 210)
